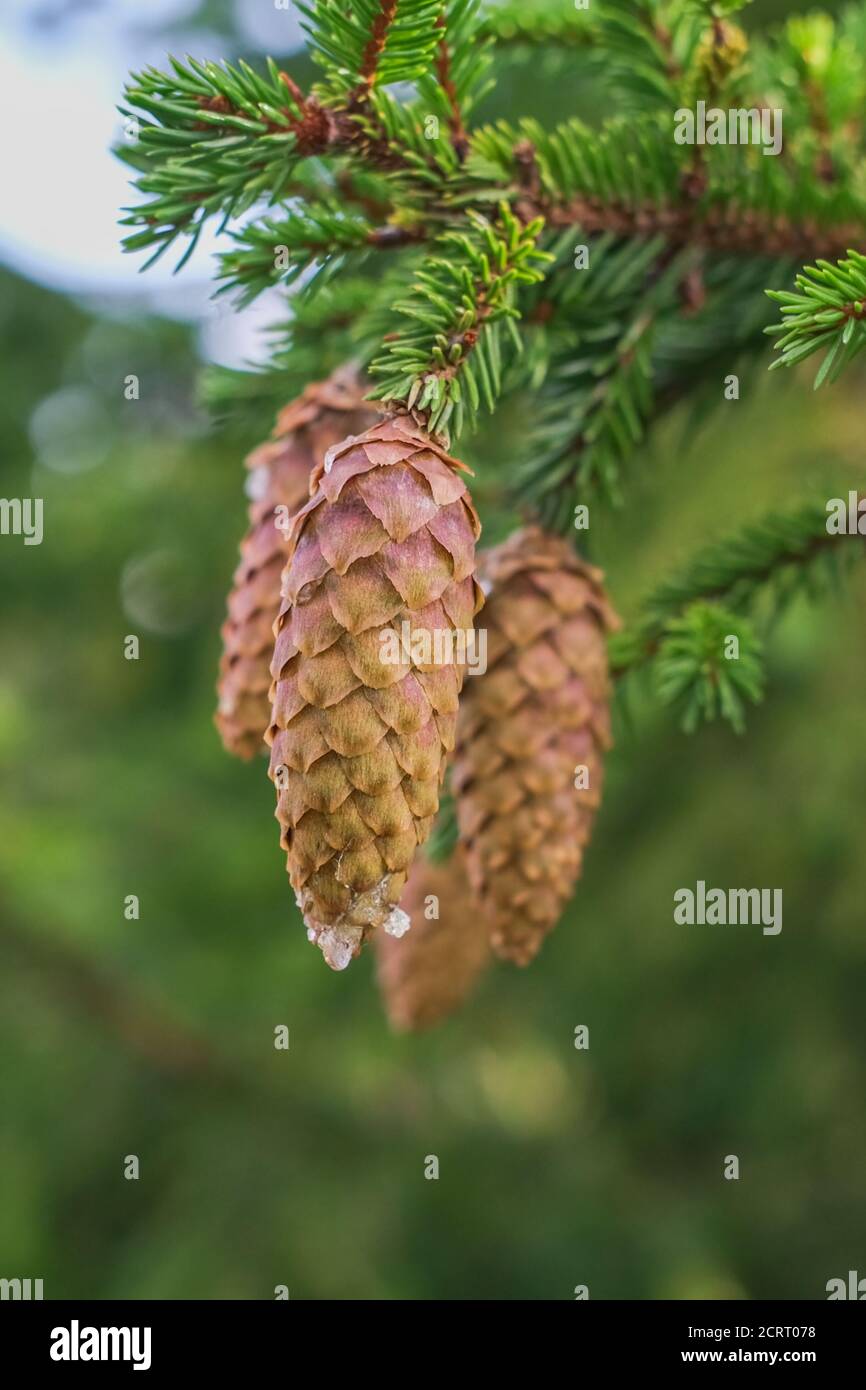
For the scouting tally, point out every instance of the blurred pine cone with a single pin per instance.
(384, 552)
(427, 974)
(279, 478)
(538, 714)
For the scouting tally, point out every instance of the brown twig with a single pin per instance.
(721, 227)
(391, 238)
(374, 49)
(459, 138)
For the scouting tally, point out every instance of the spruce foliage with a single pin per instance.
(600, 272)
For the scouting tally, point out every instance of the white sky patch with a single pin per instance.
(64, 189)
(276, 31)
(61, 228)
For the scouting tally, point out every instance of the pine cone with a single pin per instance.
(538, 714)
(427, 974)
(383, 551)
(279, 478)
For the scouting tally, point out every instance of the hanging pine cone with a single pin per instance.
(527, 727)
(279, 478)
(427, 974)
(383, 551)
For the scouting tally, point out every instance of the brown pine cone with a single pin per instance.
(383, 553)
(278, 484)
(538, 714)
(427, 974)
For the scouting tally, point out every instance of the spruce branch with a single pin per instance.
(598, 395)
(404, 136)
(644, 48)
(395, 136)
(592, 416)
(371, 43)
(448, 359)
(459, 78)
(696, 635)
(629, 177)
(217, 139)
(478, 295)
(776, 558)
(448, 84)
(613, 347)
(828, 313)
(708, 665)
(214, 139)
(322, 235)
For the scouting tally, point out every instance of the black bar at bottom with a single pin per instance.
(74, 1338)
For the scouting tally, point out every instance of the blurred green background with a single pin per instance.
(155, 1037)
